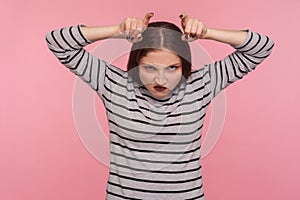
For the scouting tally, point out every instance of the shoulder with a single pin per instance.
(197, 74)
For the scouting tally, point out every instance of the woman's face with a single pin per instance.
(160, 71)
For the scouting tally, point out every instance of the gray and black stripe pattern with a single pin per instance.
(155, 144)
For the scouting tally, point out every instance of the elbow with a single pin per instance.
(267, 49)
(49, 40)
(271, 45)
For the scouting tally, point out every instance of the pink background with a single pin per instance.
(42, 157)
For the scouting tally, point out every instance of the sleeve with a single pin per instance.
(255, 49)
(67, 44)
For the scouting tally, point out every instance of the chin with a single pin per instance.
(160, 95)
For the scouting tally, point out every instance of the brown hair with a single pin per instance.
(160, 36)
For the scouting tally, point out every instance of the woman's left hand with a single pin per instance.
(193, 28)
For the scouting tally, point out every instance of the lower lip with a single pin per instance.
(160, 89)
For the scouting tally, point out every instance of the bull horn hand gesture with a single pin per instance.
(193, 28)
(131, 28)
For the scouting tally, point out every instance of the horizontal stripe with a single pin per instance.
(155, 181)
(64, 39)
(55, 40)
(154, 133)
(155, 191)
(74, 57)
(121, 196)
(234, 69)
(197, 197)
(183, 111)
(198, 79)
(254, 45)
(155, 142)
(270, 48)
(247, 43)
(142, 97)
(155, 171)
(156, 161)
(159, 124)
(73, 37)
(154, 151)
(250, 60)
(85, 67)
(82, 36)
(167, 114)
(263, 46)
(58, 52)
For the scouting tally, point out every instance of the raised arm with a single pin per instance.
(250, 50)
(129, 28)
(67, 44)
(196, 29)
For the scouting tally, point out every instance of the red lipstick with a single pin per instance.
(160, 88)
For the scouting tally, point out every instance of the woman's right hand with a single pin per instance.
(131, 28)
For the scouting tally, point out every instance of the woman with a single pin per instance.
(157, 107)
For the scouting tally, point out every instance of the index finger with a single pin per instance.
(147, 18)
(184, 19)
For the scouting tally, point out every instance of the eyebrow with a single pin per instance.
(147, 64)
(175, 64)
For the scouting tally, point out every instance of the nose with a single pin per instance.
(160, 79)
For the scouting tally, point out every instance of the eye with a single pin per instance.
(149, 67)
(173, 67)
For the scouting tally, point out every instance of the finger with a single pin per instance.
(136, 29)
(139, 26)
(127, 29)
(188, 27)
(133, 25)
(147, 18)
(194, 28)
(122, 27)
(199, 32)
(136, 39)
(187, 38)
(184, 19)
(127, 24)
(135, 34)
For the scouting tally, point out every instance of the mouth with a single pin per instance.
(160, 88)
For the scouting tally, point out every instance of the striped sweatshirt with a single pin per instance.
(155, 143)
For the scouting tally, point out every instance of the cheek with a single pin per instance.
(175, 78)
(146, 78)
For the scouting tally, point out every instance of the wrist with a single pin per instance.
(208, 33)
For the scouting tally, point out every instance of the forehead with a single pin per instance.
(160, 57)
